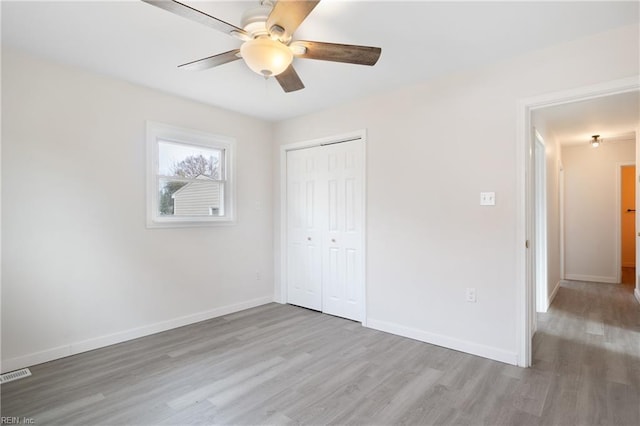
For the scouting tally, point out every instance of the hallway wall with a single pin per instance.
(553, 154)
(590, 209)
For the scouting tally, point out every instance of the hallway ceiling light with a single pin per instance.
(595, 142)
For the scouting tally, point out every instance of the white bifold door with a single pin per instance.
(325, 229)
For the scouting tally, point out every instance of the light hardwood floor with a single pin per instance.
(286, 365)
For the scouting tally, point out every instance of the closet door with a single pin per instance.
(325, 228)
(343, 260)
(304, 228)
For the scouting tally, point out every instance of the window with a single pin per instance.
(189, 177)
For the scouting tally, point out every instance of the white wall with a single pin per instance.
(79, 268)
(553, 162)
(554, 166)
(590, 209)
(432, 148)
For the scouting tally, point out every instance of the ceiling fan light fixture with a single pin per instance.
(266, 57)
(267, 32)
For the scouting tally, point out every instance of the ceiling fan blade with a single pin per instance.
(289, 14)
(348, 53)
(198, 16)
(289, 80)
(212, 61)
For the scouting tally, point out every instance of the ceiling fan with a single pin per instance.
(268, 48)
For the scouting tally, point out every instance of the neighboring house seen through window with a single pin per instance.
(190, 177)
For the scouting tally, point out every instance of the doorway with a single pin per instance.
(526, 258)
(323, 238)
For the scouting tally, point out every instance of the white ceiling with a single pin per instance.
(614, 118)
(420, 40)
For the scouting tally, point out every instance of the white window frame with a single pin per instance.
(157, 132)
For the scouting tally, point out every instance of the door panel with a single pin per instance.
(343, 237)
(332, 189)
(304, 256)
(350, 209)
(351, 278)
(333, 279)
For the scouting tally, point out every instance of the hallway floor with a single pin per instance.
(590, 340)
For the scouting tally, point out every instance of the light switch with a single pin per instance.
(487, 198)
(471, 295)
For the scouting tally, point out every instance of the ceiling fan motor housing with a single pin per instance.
(254, 20)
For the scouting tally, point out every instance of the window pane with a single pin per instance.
(189, 161)
(199, 197)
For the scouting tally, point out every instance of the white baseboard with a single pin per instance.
(637, 293)
(591, 278)
(444, 341)
(553, 294)
(73, 348)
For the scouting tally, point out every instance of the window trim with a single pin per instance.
(159, 131)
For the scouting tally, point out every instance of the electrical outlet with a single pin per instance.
(258, 276)
(471, 295)
(487, 198)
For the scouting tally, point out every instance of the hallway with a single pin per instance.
(590, 341)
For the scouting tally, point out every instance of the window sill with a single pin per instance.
(196, 223)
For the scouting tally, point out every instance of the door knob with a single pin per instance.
(333, 240)
(308, 238)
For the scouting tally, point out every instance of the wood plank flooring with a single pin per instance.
(280, 364)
